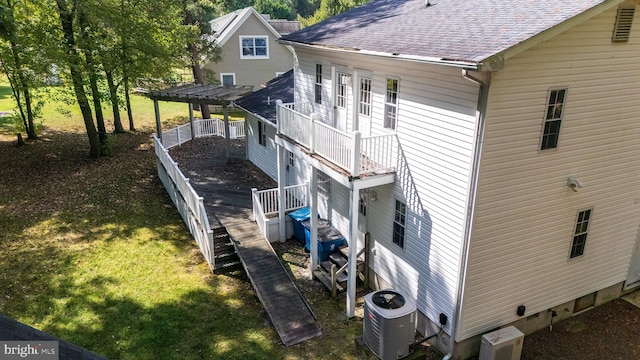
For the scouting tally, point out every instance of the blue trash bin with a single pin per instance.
(329, 238)
(329, 241)
(297, 218)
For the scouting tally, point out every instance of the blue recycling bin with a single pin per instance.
(297, 218)
(329, 238)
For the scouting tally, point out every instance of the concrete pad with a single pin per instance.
(633, 298)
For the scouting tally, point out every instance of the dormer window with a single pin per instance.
(622, 30)
(254, 47)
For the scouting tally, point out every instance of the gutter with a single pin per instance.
(473, 188)
(464, 64)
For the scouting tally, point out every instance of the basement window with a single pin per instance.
(624, 19)
(580, 233)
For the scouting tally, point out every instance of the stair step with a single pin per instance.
(224, 267)
(326, 266)
(326, 280)
(222, 255)
(344, 251)
(338, 259)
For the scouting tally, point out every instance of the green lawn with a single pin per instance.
(94, 252)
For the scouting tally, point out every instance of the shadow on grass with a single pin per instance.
(93, 252)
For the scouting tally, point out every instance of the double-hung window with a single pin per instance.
(399, 220)
(553, 118)
(318, 84)
(228, 78)
(254, 47)
(580, 233)
(391, 104)
(262, 133)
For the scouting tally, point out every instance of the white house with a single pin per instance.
(250, 53)
(490, 149)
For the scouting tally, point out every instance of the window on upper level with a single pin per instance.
(399, 220)
(391, 104)
(364, 107)
(228, 78)
(624, 19)
(324, 184)
(318, 84)
(291, 159)
(580, 233)
(254, 47)
(262, 133)
(553, 118)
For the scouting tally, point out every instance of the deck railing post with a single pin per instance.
(312, 132)
(355, 154)
(278, 115)
(253, 199)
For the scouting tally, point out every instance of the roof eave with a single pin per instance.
(496, 61)
(466, 64)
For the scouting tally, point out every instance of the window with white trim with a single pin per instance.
(391, 104)
(262, 133)
(580, 233)
(291, 158)
(399, 220)
(324, 184)
(318, 84)
(254, 47)
(364, 107)
(553, 118)
(228, 78)
(341, 90)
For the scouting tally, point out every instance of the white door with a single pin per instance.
(340, 95)
(633, 277)
(364, 105)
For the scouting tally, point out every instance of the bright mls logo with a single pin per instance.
(32, 350)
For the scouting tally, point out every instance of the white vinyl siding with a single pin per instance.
(437, 113)
(511, 264)
(264, 157)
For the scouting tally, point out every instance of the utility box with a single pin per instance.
(502, 344)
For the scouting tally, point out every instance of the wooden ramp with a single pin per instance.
(288, 310)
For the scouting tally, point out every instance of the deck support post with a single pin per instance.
(313, 203)
(282, 179)
(354, 195)
(193, 130)
(156, 108)
(227, 137)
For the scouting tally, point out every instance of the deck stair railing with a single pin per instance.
(357, 154)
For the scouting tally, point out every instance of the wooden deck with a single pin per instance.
(289, 312)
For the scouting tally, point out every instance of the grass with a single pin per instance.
(94, 252)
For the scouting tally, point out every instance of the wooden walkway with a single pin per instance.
(289, 312)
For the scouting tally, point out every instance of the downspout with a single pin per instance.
(481, 118)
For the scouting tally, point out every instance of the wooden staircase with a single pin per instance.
(333, 273)
(225, 256)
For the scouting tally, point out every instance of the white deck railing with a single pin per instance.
(359, 155)
(189, 204)
(202, 128)
(266, 203)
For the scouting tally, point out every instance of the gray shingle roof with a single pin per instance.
(263, 101)
(448, 30)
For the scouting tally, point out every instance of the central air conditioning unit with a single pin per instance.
(389, 324)
(502, 344)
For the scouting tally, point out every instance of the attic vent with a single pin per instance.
(623, 24)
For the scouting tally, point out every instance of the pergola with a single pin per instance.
(220, 95)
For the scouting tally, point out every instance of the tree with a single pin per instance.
(200, 45)
(19, 61)
(66, 13)
(329, 8)
(278, 9)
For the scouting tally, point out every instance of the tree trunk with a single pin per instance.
(128, 102)
(194, 56)
(66, 20)
(20, 140)
(113, 95)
